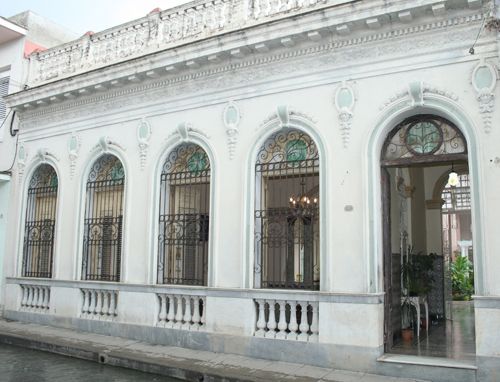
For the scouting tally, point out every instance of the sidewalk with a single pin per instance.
(185, 364)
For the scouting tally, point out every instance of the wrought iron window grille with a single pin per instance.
(103, 223)
(184, 217)
(40, 222)
(287, 212)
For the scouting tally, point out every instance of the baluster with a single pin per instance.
(282, 325)
(314, 322)
(113, 304)
(304, 325)
(222, 15)
(92, 301)
(85, 304)
(98, 305)
(293, 326)
(48, 298)
(24, 296)
(171, 311)
(30, 296)
(204, 311)
(271, 323)
(36, 299)
(261, 322)
(45, 300)
(105, 303)
(162, 299)
(256, 8)
(179, 315)
(196, 313)
(187, 313)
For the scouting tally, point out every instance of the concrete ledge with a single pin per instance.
(349, 298)
(487, 302)
(185, 364)
(316, 354)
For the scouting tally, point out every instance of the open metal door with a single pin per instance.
(386, 226)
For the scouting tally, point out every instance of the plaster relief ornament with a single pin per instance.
(43, 154)
(484, 80)
(104, 145)
(22, 155)
(73, 151)
(184, 131)
(143, 136)
(344, 102)
(231, 117)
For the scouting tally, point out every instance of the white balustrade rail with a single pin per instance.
(159, 31)
(35, 298)
(179, 311)
(99, 304)
(287, 319)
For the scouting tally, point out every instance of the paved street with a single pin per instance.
(186, 364)
(25, 365)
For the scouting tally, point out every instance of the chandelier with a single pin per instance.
(302, 200)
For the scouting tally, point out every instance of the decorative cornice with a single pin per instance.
(23, 98)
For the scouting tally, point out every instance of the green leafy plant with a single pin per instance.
(462, 278)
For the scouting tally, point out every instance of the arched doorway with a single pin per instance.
(418, 153)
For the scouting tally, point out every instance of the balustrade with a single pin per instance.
(287, 319)
(100, 304)
(157, 32)
(35, 298)
(181, 311)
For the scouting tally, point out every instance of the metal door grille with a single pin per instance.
(287, 212)
(102, 240)
(184, 217)
(40, 223)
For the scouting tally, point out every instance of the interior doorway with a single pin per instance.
(428, 240)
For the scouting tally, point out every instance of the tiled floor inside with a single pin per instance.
(447, 338)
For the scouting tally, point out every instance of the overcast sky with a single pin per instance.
(89, 15)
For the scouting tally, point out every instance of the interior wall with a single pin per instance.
(418, 217)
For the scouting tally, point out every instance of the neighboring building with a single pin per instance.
(258, 176)
(20, 35)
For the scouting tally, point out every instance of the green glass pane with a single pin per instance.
(296, 150)
(53, 181)
(197, 162)
(423, 138)
(117, 171)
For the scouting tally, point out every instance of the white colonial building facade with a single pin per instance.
(236, 176)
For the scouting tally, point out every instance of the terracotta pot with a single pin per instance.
(407, 334)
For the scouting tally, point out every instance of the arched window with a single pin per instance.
(40, 223)
(287, 212)
(184, 217)
(102, 238)
(424, 139)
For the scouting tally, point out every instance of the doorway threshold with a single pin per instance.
(427, 361)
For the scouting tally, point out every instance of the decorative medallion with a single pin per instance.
(73, 150)
(231, 117)
(21, 161)
(144, 132)
(344, 102)
(484, 80)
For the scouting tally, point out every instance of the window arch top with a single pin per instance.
(424, 138)
(189, 159)
(44, 176)
(106, 167)
(287, 147)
